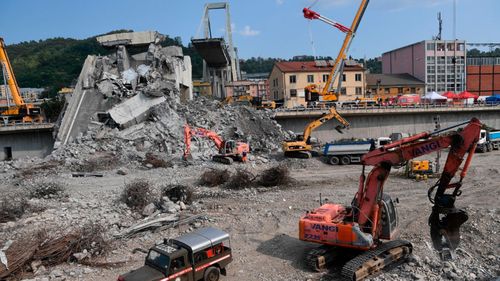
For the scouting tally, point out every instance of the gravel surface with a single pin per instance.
(262, 221)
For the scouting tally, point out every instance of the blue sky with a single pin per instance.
(267, 28)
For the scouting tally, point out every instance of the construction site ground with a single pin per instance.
(263, 222)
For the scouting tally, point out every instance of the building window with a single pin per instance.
(293, 79)
(359, 90)
(430, 46)
(440, 60)
(450, 47)
(431, 60)
(325, 78)
(440, 46)
(431, 69)
(275, 95)
(310, 78)
(387, 91)
(343, 91)
(344, 78)
(293, 93)
(400, 90)
(358, 77)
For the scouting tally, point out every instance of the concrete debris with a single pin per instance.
(165, 221)
(130, 38)
(3, 257)
(134, 110)
(125, 86)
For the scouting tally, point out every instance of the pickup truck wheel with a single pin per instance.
(212, 274)
(345, 160)
(334, 160)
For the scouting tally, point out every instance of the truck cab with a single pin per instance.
(200, 255)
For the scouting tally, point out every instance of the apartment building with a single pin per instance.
(391, 85)
(289, 78)
(439, 63)
(254, 88)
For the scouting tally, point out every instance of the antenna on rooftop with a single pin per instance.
(440, 22)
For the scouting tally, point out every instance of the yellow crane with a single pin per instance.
(328, 94)
(20, 110)
(301, 147)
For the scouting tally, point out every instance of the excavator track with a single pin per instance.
(223, 159)
(372, 261)
(298, 154)
(316, 259)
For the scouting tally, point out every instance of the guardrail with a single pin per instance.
(24, 125)
(362, 108)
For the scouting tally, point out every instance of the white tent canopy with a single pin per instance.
(434, 96)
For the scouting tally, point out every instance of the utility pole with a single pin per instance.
(437, 127)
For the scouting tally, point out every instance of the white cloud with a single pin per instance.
(248, 31)
(280, 2)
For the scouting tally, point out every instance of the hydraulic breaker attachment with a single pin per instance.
(445, 229)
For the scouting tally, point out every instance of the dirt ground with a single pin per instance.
(263, 223)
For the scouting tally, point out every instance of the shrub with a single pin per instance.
(137, 194)
(214, 177)
(275, 176)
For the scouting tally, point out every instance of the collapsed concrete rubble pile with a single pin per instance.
(132, 105)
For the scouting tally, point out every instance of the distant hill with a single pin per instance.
(55, 63)
(52, 63)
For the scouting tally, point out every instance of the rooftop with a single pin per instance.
(393, 79)
(312, 66)
(425, 41)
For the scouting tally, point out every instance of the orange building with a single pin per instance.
(483, 75)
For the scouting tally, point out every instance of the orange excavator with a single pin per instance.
(367, 230)
(229, 150)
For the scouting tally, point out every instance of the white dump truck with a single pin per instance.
(488, 141)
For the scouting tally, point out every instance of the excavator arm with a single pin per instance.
(318, 122)
(445, 219)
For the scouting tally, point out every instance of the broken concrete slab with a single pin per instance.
(130, 38)
(134, 110)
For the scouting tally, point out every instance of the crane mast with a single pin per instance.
(350, 33)
(20, 109)
(9, 75)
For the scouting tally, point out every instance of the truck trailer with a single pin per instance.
(347, 152)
